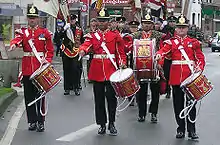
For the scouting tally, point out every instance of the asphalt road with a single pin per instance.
(70, 119)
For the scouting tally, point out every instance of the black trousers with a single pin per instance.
(178, 104)
(58, 50)
(71, 72)
(30, 94)
(102, 90)
(142, 98)
(80, 68)
(166, 68)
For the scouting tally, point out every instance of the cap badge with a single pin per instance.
(147, 17)
(102, 13)
(32, 10)
(182, 20)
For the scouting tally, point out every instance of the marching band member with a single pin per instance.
(180, 70)
(128, 41)
(148, 32)
(169, 30)
(44, 46)
(122, 27)
(101, 68)
(72, 38)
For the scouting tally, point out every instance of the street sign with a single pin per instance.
(84, 8)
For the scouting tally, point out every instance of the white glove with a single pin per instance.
(163, 25)
(158, 57)
(12, 47)
(67, 26)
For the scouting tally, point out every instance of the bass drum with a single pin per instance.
(143, 56)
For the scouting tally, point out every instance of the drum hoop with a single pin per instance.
(123, 79)
(39, 71)
(186, 82)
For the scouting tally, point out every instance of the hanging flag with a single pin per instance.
(99, 4)
(51, 7)
(136, 9)
(93, 4)
(154, 4)
(64, 10)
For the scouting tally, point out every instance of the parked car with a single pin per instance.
(215, 45)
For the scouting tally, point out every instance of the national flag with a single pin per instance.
(158, 6)
(51, 7)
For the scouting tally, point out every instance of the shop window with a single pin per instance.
(6, 28)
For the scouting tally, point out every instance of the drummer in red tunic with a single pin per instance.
(101, 68)
(180, 70)
(42, 40)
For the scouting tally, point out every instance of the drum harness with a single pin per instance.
(31, 43)
(188, 108)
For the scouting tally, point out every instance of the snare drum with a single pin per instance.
(144, 64)
(124, 83)
(196, 86)
(45, 78)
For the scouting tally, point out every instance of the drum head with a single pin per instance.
(190, 78)
(39, 70)
(121, 75)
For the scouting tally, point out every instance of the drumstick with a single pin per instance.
(79, 58)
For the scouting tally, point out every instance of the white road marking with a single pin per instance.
(78, 134)
(12, 126)
(84, 131)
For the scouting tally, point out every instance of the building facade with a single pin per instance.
(13, 16)
(210, 17)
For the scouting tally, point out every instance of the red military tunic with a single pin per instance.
(102, 68)
(180, 71)
(43, 43)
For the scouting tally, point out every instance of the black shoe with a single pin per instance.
(180, 135)
(102, 130)
(67, 92)
(32, 126)
(168, 95)
(77, 93)
(40, 127)
(193, 135)
(154, 118)
(141, 119)
(113, 131)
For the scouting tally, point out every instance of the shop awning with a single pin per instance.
(207, 11)
(9, 9)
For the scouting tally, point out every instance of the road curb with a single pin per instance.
(6, 100)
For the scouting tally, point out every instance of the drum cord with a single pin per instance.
(193, 121)
(46, 106)
(120, 110)
(189, 108)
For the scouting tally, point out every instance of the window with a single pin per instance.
(210, 1)
(6, 28)
(193, 18)
(199, 19)
(194, 1)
